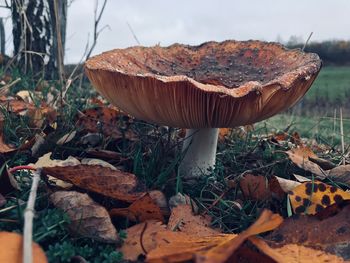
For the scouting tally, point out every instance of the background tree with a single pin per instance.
(39, 32)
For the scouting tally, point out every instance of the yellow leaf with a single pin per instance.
(313, 197)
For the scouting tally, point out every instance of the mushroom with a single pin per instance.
(203, 88)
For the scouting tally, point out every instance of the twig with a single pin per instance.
(342, 135)
(307, 41)
(5, 89)
(28, 219)
(133, 33)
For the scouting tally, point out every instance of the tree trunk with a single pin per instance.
(2, 36)
(38, 47)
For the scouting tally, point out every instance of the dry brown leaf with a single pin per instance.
(313, 197)
(261, 188)
(141, 210)
(105, 120)
(140, 239)
(182, 219)
(93, 161)
(287, 185)
(331, 234)
(221, 253)
(4, 147)
(88, 218)
(255, 187)
(111, 183)
(11, 249)
(323, 163)
(293, 253)
(300, 157)
(66, 138)
(340, 174)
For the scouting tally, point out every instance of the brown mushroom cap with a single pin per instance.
(212, 85)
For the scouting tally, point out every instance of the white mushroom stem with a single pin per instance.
(200, 151)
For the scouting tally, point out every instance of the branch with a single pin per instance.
(28, 220)
(97, 31)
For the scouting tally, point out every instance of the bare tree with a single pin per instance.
(39, 31)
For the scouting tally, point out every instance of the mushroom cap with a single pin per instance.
(213, 85)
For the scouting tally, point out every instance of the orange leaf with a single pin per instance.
(11, 249)
(221, 253)
(183, 220)
(111, 183)
(223, 132)
(141, 210)
(141, 239)
(294, 253)
(313, 197)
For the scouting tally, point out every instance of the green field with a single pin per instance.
(332, 85)
(315, 116)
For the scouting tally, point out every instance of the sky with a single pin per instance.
(195, 21)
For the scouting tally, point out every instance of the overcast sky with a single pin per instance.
(196, 21)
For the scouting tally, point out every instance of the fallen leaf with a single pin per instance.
(93, 161)
(182, 219)
(140, 239)
(66, 138)
(181, 246)
(46, 161)
(105, 120)
(141, 210)
(323, 163)
(4, 147)
(301, 179)
(111, 183)
(294, 253)
(340, 174)
(88, 219)
(221, 253)
(300, 157)
(255, 187)
(287, 185)
(11, 250)
(313, 197)
(331, 234)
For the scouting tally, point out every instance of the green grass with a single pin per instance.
(332, 85)
(323, 129)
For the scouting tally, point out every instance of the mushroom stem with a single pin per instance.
(200, 152)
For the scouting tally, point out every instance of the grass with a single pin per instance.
(331, 85)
